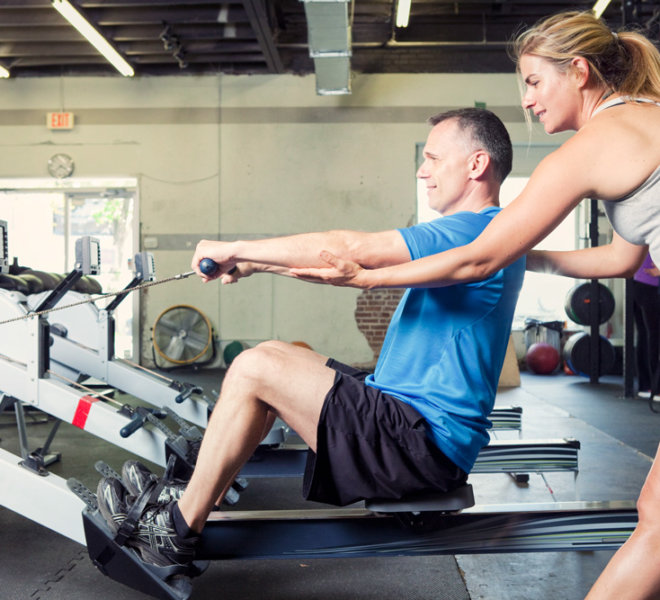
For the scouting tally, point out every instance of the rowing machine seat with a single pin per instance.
(452, 501)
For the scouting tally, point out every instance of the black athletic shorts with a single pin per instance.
(372, 446)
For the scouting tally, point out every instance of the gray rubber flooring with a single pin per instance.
(618, 438)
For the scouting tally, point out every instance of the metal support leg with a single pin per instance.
(22, 431)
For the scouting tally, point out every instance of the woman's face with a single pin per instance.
(551, 94)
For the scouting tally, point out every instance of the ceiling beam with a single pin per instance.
(256, 12)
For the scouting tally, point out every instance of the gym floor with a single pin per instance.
(618, 439)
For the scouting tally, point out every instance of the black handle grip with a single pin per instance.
(208, 266)
(184, 395)
(136, 422)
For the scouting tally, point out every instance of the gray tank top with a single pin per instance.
(636, 217)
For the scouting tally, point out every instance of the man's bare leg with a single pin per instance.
(269, 424)
(272, 378)
(633, 573)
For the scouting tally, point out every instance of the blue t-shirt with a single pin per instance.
(445, 347)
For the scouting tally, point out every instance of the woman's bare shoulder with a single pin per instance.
(617, 150)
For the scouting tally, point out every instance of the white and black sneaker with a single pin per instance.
(157, 540)
(137, 478)
(112, 502)
(145, 526)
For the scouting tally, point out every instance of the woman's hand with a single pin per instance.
(339, 272)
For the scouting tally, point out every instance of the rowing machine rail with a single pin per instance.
(359, 532)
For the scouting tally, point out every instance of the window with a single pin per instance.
(542, 296)
(44, 221)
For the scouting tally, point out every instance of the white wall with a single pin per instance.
(247, 156)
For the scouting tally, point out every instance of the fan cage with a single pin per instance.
(205, 340)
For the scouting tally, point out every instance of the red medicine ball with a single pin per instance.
(542, 358)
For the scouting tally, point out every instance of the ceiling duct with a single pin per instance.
(329, 39)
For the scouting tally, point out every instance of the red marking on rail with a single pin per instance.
(82, 411)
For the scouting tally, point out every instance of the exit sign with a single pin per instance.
(59, 120)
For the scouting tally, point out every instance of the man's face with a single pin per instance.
(445, 168)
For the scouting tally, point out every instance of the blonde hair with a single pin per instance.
(626, 62)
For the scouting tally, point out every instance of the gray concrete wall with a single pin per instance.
(224, 157)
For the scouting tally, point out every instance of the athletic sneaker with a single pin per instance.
(137, 477)
(644, 394)
(158, 542)
(154, 537)
(112, 502)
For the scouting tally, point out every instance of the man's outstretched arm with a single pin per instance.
(278, 255)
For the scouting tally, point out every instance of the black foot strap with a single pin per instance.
(128, 527)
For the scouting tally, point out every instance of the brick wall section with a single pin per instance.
(373, 311)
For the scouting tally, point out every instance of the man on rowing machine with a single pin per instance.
(415, 425)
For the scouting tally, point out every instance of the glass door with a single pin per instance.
(43, 225)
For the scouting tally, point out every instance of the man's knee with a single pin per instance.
(256, 363)
(273, 346)
(245, 363)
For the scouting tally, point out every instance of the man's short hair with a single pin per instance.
(487, 131)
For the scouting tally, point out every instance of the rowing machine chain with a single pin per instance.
(96, 297)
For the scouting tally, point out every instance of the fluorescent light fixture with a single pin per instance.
(599, 7)
(71, 14)
(4, 73)
(403, 13)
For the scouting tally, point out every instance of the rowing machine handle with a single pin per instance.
(208, 266)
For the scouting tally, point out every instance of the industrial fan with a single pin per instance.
(182, 335)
